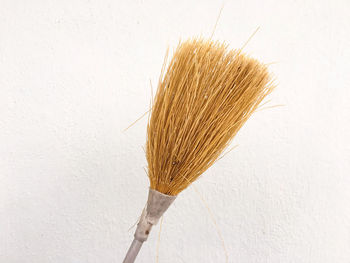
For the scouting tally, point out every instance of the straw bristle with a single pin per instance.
(204, 98)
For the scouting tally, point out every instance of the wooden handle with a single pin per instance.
(133, 251)
(157, 204)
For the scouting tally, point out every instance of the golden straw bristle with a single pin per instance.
(204, 98)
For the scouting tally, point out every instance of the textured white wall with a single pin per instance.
(74, 74)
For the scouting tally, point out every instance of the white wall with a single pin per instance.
(74, 74)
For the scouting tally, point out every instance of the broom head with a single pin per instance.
(203, 99)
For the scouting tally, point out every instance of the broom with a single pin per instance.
(207, 93)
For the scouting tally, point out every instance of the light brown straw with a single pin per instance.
(203, 99)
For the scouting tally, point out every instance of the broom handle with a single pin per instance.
(157, 204)
(133, 251)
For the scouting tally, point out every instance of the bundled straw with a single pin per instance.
(203, 99)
